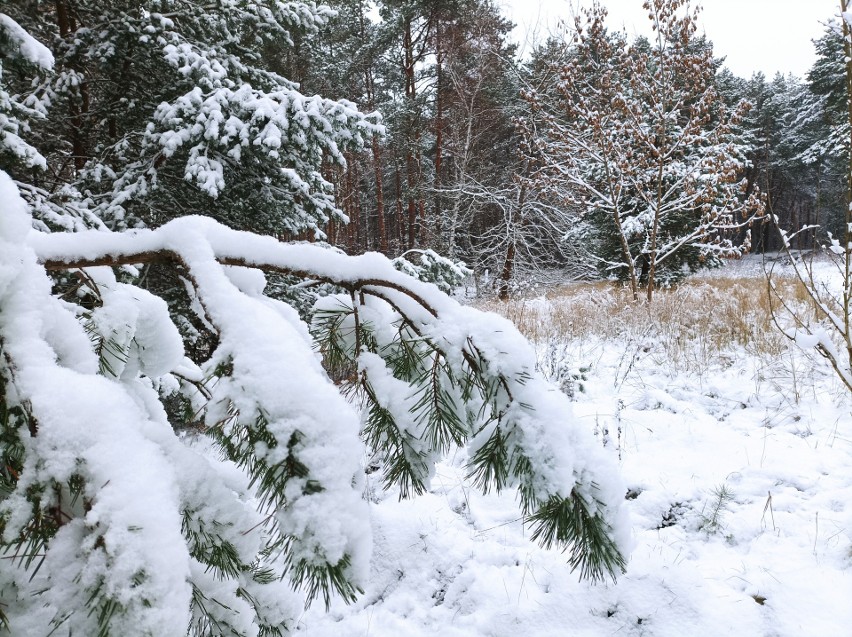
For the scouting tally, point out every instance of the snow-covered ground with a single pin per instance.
(739, 470)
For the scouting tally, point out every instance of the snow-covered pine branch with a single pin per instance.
(178, 107)
(20, 48)
(115, 525)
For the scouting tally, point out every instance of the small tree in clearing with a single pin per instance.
(638, 140)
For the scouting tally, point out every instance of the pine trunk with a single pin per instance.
(380, 197)
(67, 26)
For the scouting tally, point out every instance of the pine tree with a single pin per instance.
(820, 133)
(173, 109)
(25, 70)
(23, 55)
(114, 525)
(830, 333)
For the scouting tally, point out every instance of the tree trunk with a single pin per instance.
(410, 94)
(380, 197)
(439, 125)
(67, 26)
(400, 220)
(511, 249)
(369, 85)
(626, 255)
(508, 268)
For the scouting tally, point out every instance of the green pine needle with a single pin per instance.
(405, 467)
(568, 524)
(323, 579)
(489, 467)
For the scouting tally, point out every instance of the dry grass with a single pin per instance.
(700, 319)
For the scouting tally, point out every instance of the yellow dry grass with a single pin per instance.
(713, 313)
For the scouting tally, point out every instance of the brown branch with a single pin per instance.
(169, 257)
(112, 260)
(366, 285)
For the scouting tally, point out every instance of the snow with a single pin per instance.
(306, 406)
(772, 430)
(775, 431)
(122, 542)
(16, 110)
(86, 425)
(327, 525)
(139, 324)
(28, 47)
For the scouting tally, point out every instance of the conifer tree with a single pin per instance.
(172, 109)
(114, 525)
(830, 333)
(819, 134)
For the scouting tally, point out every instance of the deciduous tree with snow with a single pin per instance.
(638, 140)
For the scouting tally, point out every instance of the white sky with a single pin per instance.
(754, 35)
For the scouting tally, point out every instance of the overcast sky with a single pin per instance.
(754, 35)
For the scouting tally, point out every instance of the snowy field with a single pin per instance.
(738, 460)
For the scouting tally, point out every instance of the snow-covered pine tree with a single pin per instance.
(112, 524)
(819, 135)
(171, 108)
(116, 520)
(25, 64)
(830, 333)
(21, 52)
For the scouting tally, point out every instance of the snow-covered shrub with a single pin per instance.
(113, 524)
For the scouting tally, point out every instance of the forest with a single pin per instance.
(253, 257)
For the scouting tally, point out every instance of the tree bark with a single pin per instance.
(381, 228)
(439, 122)
(67, 26)
(410, 94)
(508, 269)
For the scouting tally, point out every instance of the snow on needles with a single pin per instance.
(155, 506)
(27, 46)
(13, 112)
(88, 426)
(561, 453)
